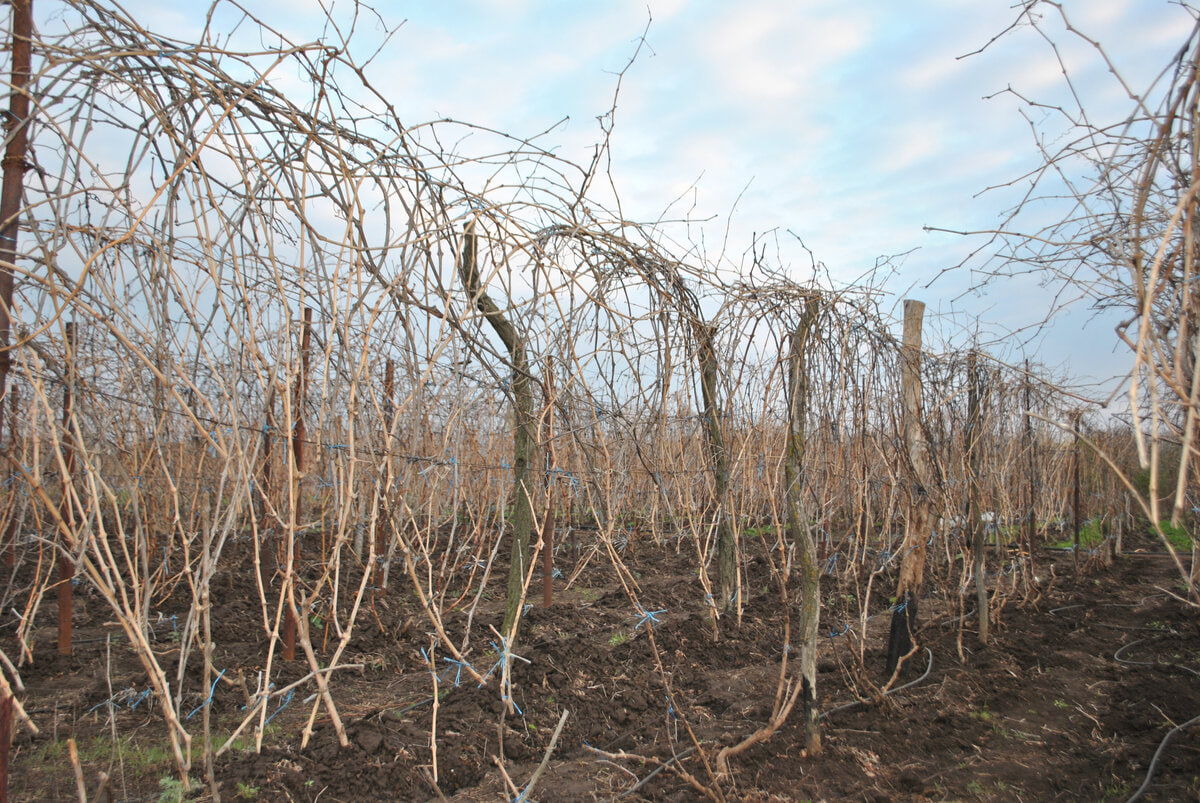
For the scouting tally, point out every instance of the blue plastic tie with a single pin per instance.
(458, 668)
(287, 698)
(648, 616)
(211, 692)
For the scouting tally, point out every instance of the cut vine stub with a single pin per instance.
(904, 621)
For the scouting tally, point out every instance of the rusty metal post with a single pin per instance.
(14, 174)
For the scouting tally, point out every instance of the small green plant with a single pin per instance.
(171, 790)
(975, 788)
(982, 715)
(246, 791)
(1061, 704)
(618, 638)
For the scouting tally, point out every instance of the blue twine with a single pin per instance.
(556, 573)
(648, 616)
(508, 699)
(845, 629)
(505, 655)
(211, 692)
(332, 446)
(287, 698)
(458, 665)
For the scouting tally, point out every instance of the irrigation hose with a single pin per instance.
(1141, 790)
(911, 683)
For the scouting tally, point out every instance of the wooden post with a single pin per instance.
(1075, 493)
(389, 420)
(548, 516)
(920, 481)
(1031, 465)
(727, 563)
(17, 127)
(978, 546)
(298, 435)
(799, 529)
(268, 548)
(66, 565)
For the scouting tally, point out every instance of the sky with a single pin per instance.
(848, 126)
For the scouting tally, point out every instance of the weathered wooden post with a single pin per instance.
(548, 516)
(1031, 464)
(268, 550)
(298, 434)
(799, 527)
(727, 563)
(378, 534)
(978, 541)
(920, 481)
(1075, 492)
(66, 511)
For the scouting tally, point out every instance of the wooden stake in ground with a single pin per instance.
(799, 528)
(299, 433)
(727, 563)
(978, 547)
(1030, 520)
(1075, 508)
(389, 415)
(920, 483)
(548, 515)
(66, 565)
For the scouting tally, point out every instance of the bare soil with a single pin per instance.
(1070, 700)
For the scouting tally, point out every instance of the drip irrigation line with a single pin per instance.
(1141, 790)
(1117, 656)
(888, 693)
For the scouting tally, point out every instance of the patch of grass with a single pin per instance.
(1178, 536)
(618, 638)
(1090, 534)
(1117, 790)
